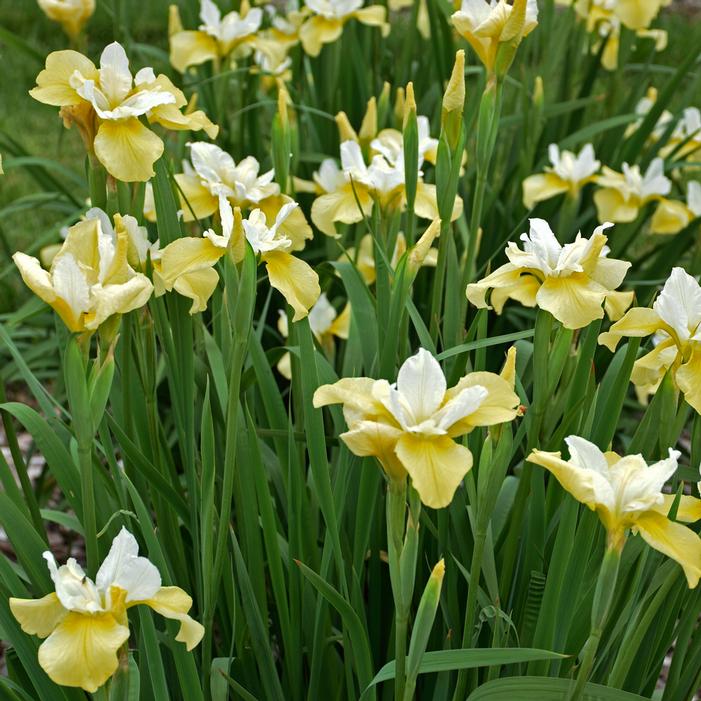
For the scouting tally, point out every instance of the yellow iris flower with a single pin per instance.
(675, 319)
(90, 278)
(410, 426)
(187, 264)
(85, 623)
(621, 196)
(671, 216)
(324, 323)
(568, 173)
(325, 20)
(72, 15)
(626, 494)
(571, 281)
(217, 36)
(107, 104)
(488, 25)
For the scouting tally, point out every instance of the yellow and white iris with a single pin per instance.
(108, 104)
(217, 36)
(621, 196)
(675, 319)
(572, 282)
(90, 278)
(325, 20)
(85, 623)
(325, 323)
(72, 15)
(671, 216)
(626, 494)
(568, 173)
(489, 24)
(411, 426)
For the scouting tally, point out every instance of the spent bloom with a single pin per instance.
(568, 173)
(108, 105)
(626, 494)
(410, 426)
(72, 15)
(217, 37)
(675, 319)
(90, 278)
(571, 281)
(325, 20)
(85, 623)
(621, 196)
(493, 25)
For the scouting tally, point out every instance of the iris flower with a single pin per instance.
(621, 196)
(85, 623)
(217, 36)
(90, 278)
(411, 426)
(107, 105)
(489, 24)
(568, 173)
(626, 494)
(70, 14)
(675, 319)
(671, 216)
(572, 282)
(325, 20)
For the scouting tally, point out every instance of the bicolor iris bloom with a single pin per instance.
(626, 494)
(108, 104)
(411, 426)
(572, 282)
(85, 623)
(675, 320)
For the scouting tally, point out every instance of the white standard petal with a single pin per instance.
(352, 161)
(211, 18)
(329, 177)
(639, 486)
(226, 214)
(124, 568)
(586, 455)
(693, 198)
(73, 588)
(459, 407)
(115, 77)
(679, 303)
(321, 315)
(655, 182)
(70, 284)
(212, 164)
(421, 385)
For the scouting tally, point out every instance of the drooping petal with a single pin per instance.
(294, 279)
(637, 322)
(537, 188)
(128, 149)
(317, 31)
(174, 603)
(612, 206)
(637, 14)
(198, 286)
(506, 282)
(38, 616)
(118, 299)
(688, 378)
(341, 207)
(688, 508)
(379, 440)
(196, 201)
(172, 117)
(673, 540)
(670, 217)
(373, 16)
(426, 204)
(293, 224)
(191, 48)
(575, 301)
(436, 466)
(649, 370)
(53, 83)
(617, 303)
(82, 650)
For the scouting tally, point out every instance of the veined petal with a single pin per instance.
(53, 83)
(575, 301)
(38, 616)
(82, 650)
(436, 466)
(128, 149)
(174, 603)
(543, 186)
(673, 540)
(191, 48)
(294, 279)
(637, 322)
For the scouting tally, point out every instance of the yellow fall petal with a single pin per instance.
(341, 324)
(294, 279)
(649, 370)
(379, 440)
(670, 217)
(426, 205)
(53, 87)
(128, 149)
(637, 322)
(317, 31)
(38, 616)
(196, 201)
(688, 379)
(537, 188)
(186, 255)
(611, 206)
(174, 603)
(197, 286)
(82, 650)
(575, 301)
(373, 16)
(507, 280)
(617, 303)
(118, 299)
(341, 206)
(688, 508)
(170, 117)
(191, 48)
(295, 226)
(637, 14)
(436, 466)
(673, 540)
(284, 366)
